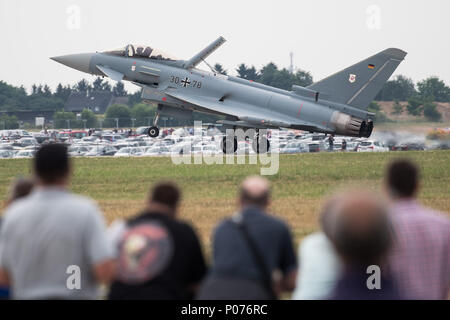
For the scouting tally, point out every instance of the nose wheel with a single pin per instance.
(153, 132)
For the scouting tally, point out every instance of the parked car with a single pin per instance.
(295, 147)
(76, 134)
(157, 151)
(371, 146)
(24, 154)
(6, 154)
(316, 146)
(25, 142)
(129, 152)
(142, 130)
(101, 150)
(77, 151)
(411, 146)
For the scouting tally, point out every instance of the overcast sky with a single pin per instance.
(324, 35)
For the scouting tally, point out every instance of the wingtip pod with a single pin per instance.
(395, 53)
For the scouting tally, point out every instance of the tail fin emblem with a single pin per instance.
(352, 78)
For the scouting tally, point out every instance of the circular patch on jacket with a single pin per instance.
(145, 251)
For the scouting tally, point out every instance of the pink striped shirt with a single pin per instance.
(420, 259)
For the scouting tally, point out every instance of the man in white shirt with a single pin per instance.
(53, 243)
(319, 264)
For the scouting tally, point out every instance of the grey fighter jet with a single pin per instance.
(335, 105)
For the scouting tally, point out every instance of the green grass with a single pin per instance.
(120, 185)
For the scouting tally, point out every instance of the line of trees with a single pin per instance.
(121, 115)
(420, 97)
(43, 98)
(270, 75)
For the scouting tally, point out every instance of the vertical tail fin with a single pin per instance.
(358, 84)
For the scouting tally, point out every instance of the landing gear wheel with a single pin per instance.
(260, 144)
(153, 132)
(229, 145)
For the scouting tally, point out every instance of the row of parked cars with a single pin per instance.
(96, 143)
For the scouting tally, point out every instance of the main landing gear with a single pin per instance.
(260, 144)
(229, 144)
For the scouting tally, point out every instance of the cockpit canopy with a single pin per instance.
(139, 51)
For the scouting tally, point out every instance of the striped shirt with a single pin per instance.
(420, 259)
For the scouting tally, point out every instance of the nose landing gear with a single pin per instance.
(154, 130)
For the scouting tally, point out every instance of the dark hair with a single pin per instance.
(261, 200)
(362, 248)
(51, 163)
(21, 188)
(166, 193)
(402, 177)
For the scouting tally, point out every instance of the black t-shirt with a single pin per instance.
(158, 258)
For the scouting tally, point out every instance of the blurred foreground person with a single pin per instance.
(253, 252)
(20, 188)
(420, 259)
(158, 257)
(53, 243)
(361, 234)
(319, 264)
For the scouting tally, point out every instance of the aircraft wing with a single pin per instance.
(247, 115)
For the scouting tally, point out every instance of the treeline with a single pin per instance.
(402, 88)
(121, 115)
(419, 97)
(43, 98)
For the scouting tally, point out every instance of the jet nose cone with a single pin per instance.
(80, 61)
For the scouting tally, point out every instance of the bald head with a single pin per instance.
(255, 191)
(361, 231)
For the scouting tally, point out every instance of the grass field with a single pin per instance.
(121, 184)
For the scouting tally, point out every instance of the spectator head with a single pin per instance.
(327, 216)
(361, 230)
(402, 179)
(165, 196)
(255, 191)
(20, 188)
(51, 164)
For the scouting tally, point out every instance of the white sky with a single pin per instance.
(324, 35)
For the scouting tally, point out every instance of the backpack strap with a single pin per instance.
(257, 257)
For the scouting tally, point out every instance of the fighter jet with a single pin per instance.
(335, 105)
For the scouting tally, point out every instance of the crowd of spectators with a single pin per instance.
(55, 244)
